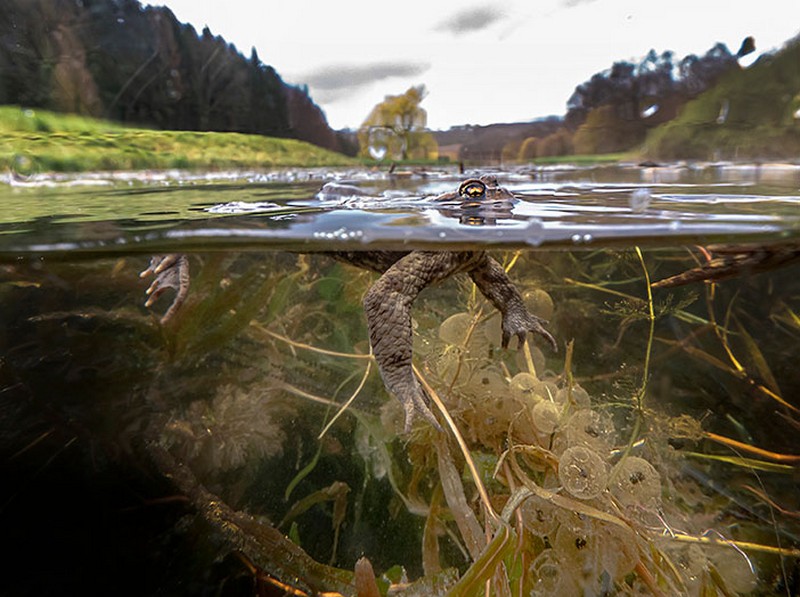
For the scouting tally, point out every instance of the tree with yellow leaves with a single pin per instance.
(396, 128)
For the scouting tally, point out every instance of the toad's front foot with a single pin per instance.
(518, 322)
(170, 271)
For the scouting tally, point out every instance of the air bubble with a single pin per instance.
(582, 472)
(636, 482)
(379, 142)
(24, 167)
(640, 200)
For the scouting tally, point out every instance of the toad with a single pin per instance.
(387, 304)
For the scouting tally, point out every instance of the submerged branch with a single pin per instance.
(261, 543)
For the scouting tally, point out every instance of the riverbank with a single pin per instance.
(35, 141)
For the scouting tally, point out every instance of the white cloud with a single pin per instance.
(469, 20)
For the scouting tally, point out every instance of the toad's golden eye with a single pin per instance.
(472, 189)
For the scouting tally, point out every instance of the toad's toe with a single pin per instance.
(415, 405)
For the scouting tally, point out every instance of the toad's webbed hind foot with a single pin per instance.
(415, 403)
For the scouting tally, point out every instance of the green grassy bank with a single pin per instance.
(597, 159)
(40, 141)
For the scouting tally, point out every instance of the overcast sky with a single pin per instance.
(481, 62)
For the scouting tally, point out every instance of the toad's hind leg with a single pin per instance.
(388, 308)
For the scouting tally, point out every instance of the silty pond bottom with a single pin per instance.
(655, 452)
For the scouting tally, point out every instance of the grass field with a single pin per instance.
(586, 160)
(34, 141)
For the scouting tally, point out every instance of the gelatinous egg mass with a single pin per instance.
(539, 303)
(539, 515)
(592, 429)
(582, 472)
(551, 576)
(454, 329)
(545, 416)
(636, 482)
(523, 387)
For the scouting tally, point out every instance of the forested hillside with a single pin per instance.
(614, 109)
(118, 60)
(752, 113)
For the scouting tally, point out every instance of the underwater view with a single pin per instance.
(226, 384)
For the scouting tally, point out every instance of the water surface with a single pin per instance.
(557, 207)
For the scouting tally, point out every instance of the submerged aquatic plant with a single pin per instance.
(554, 477)
(595, 471)
(555, 490)
(238, 426)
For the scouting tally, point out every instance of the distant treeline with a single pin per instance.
(611, 112)
(118, 60)
(750, 113)
(492, 142)
(615, 108)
